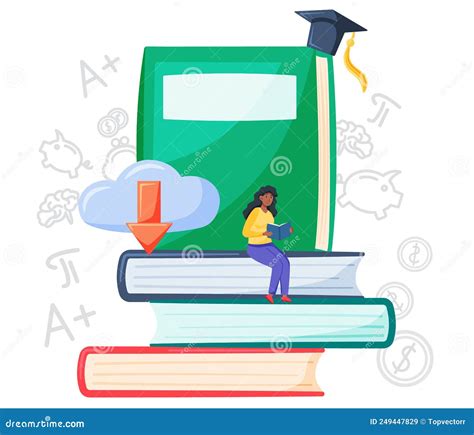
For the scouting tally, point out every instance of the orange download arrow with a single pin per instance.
(149, 229)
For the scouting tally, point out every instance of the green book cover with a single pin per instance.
(238, 157)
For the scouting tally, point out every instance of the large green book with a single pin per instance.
(245, 117)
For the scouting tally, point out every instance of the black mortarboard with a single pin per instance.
(327, 29)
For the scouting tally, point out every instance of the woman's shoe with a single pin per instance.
(286, 299)
(269, 298)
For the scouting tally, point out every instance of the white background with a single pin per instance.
(418, 53)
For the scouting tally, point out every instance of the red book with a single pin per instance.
(197, 372)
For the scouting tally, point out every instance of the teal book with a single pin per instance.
(244, 117)
(309, 322)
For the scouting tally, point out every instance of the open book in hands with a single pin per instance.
(279, 232)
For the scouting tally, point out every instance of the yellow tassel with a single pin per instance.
(352, 69)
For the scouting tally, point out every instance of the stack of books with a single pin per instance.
(240, 117)
(218, 336)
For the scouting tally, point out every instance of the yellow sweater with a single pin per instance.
(256, 225)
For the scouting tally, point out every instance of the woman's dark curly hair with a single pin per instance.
(257, 203)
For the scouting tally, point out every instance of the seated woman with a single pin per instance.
(258, 214)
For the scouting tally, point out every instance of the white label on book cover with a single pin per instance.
(229, 97)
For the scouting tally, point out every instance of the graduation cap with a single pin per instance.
(326, 33)
(327, 29)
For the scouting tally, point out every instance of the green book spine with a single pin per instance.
(239, 157)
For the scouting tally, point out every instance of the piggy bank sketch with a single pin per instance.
(371, 192)
(63, 156)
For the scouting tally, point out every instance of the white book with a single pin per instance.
(172, 275)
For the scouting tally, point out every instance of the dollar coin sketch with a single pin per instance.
(120, 116)
(408, 361)
(107, 126)
(414, 254)
(400, 296)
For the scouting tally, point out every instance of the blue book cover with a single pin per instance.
(279, 232)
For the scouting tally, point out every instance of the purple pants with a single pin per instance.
(269, 255)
